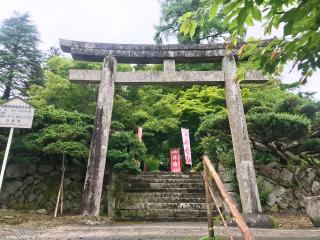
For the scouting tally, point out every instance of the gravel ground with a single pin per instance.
(150, 231)
(30, 225)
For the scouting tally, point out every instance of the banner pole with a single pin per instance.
(6, 157)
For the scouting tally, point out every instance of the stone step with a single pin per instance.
(132, 199)
(164, 185)
(152, 206)
(168, 190)
(160, 213)
(162, 219)
(165, 180)
(166, 175)
(160, 195)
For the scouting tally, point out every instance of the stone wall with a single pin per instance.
(286, 186)
(35, 186)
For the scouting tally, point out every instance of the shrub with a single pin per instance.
(285, 127)
(152, 164)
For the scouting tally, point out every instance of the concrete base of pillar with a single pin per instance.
(256, 221)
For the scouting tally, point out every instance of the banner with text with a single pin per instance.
(186, 145)
(175, 159)
(139, 134)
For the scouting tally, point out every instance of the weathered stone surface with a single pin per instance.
(269, 187)
(286, 175)
(283, 205)
(315, 187)
(272, 198)
(292, 156)
(45, 168)
(246, 176)
(158, 77)
(161, 202)
(16, 171)
(311, 176)
(13, 186)
(279, 191)
(29, 179)
(271, 171)
(42, 211)
(144, 53)
(99, 142)
(313, 209)
(32, 197)
(274, 208)
(76, 176)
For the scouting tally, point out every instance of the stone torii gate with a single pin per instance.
(111, 54)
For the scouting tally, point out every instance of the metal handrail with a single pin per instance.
(208, 168)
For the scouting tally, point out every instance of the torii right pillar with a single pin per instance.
(246, 176)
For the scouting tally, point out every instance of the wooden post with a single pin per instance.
(246, 176)
(227, 199)
(99, 143)
(209, 203)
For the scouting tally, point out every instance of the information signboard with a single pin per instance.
(16, 113)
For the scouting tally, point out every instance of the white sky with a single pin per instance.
(113, 21)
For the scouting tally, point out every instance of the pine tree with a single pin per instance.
(20, 58)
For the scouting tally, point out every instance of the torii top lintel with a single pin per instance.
(145, 53)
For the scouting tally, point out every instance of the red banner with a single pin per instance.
(186, 145)
(139, 134)
(175, 159)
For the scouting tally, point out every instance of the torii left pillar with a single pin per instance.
(99, 142)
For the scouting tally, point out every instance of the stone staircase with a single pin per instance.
(162, 197)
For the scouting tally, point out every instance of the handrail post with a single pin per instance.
(209, 203)
(227, 199)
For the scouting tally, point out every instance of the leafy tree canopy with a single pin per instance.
(20, 58)
(299, 19)
(210, 30)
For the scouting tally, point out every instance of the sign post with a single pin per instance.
(15, 113)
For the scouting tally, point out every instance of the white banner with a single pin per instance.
(139, 134)
(186, 145)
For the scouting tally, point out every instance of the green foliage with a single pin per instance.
(124, 151)
(281, 127)
(171, 10)
(263, 193)
(152, 163)
(312, 144)
(56, 81)
(20, 58)
(299, 19)
(263, 157)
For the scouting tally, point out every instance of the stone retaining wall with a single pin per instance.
(35, 186)
(286, 187)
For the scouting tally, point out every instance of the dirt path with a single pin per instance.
(150, 231)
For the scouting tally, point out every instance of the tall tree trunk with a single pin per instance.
(6, 93)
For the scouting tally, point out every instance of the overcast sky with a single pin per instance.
(113, 21)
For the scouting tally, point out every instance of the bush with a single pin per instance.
(271, 127)
(309, 110)
(152, 164)
(289, 104)
(312, 144)
(125, 150)
(260, 110)
(249, 103)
